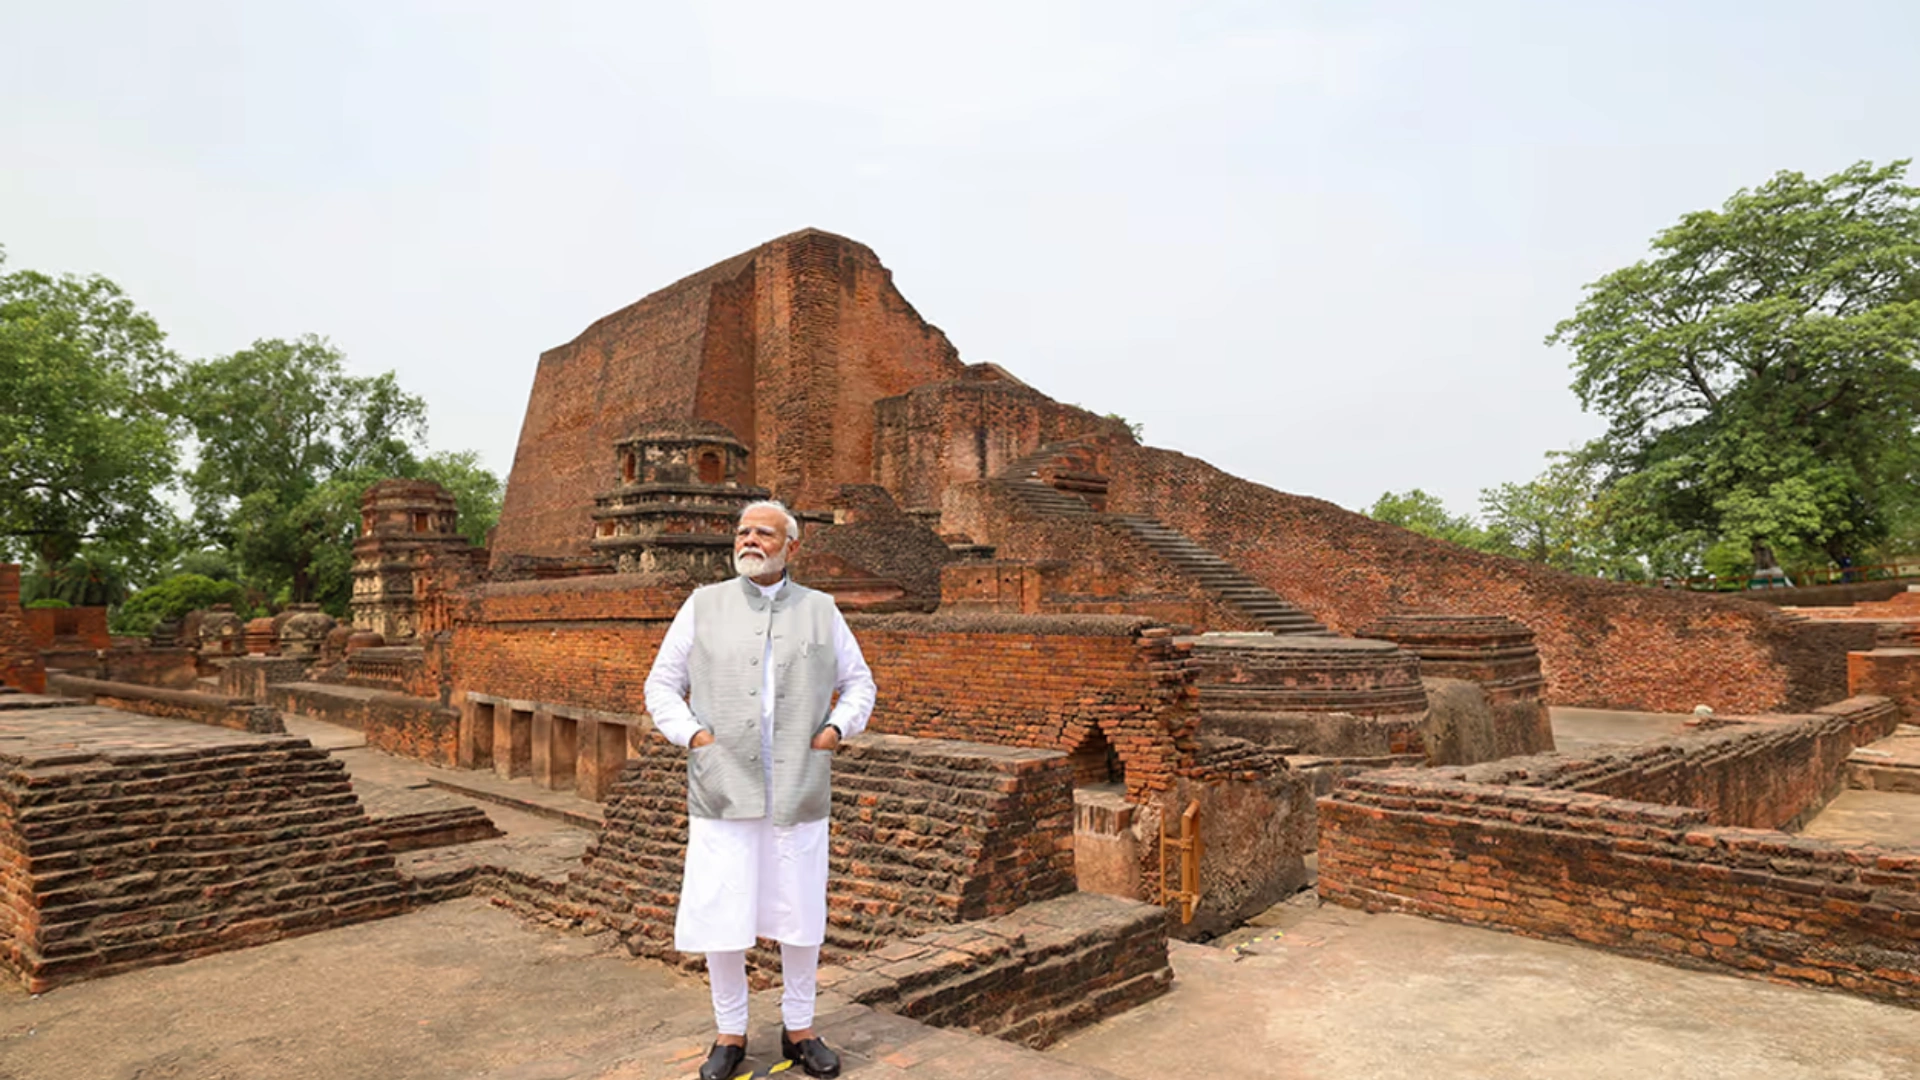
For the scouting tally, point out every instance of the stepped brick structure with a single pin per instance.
(401, 523)
(1493, 651)
(680, 488)
(20, 665)
(127, 842)
(1666, 852)
(787, 346)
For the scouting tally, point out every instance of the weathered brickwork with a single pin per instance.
(970, 429)
(1892, 673)
(68, 628)
(1492, 651)
(218, 710)
(1770, 774)
(788, 345)
(172, 845)
(1055, 682)
(1028, 977)
(1658, 881)
(400, 724)
(1601, 643)
(20, 665)
(926, 833)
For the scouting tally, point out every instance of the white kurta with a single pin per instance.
(751, 878)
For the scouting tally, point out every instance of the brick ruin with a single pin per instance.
(1673, 852)
(20, 665)
(1078, 640)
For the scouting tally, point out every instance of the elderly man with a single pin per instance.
(745, 679)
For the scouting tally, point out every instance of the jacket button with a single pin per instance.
(753, 693)
(755, 662)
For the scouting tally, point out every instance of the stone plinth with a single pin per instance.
(262, 638)
(1494, 651)
(681, 486)
(131, 841)
(1326, 695)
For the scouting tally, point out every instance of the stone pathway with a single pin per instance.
(1340, 994)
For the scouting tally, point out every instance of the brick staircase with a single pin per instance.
(1220, 577)
(1225, 581)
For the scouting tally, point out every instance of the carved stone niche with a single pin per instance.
(679, 487)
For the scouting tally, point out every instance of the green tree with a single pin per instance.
(476, 492)
(281, 430)
(1757, 371)
(86, 444)
(1425, 514)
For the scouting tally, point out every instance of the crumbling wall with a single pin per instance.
(788, 345)
(1602, 644)
(122, 859)
(1041, 681)
(20, 665)
(1656, 881)
(927, 833)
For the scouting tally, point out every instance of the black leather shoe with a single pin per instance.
(812, 1054)
(723, 1062)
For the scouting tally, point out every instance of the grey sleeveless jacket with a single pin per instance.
(726, 778)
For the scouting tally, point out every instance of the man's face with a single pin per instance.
(760, 544)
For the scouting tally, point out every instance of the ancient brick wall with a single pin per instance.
(1571, 859)
(585, 642)
(926, 833)
(1892, 673)
(1028, 977)
(1601, 643)
(123, 859)
(1056, 682)
(217, 710)
(20, 665)
(73, 628)
(970, 429)
(399, 724)
(789, 345)
(1770, 774)
(1651, 881)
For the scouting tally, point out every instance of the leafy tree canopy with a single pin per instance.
(85, 444)
(1757, 370)
(281, 431)
(1425, 514)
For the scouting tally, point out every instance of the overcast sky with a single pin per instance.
(1318, 245)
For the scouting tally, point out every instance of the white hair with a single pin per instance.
(793, 523)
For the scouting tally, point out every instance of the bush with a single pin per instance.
(176, 596)
(48, 602)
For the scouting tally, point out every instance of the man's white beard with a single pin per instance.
(751, 563)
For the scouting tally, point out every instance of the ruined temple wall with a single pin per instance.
(1049, 682)
(789, 345)
(972, 429)
(1645, 878)
(1085, 566)
(579, 642)
(1601, 643)
(850, 340)
(20, 665)
(641, 361)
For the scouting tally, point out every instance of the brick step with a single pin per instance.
(520, 794)
(1219, 577)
